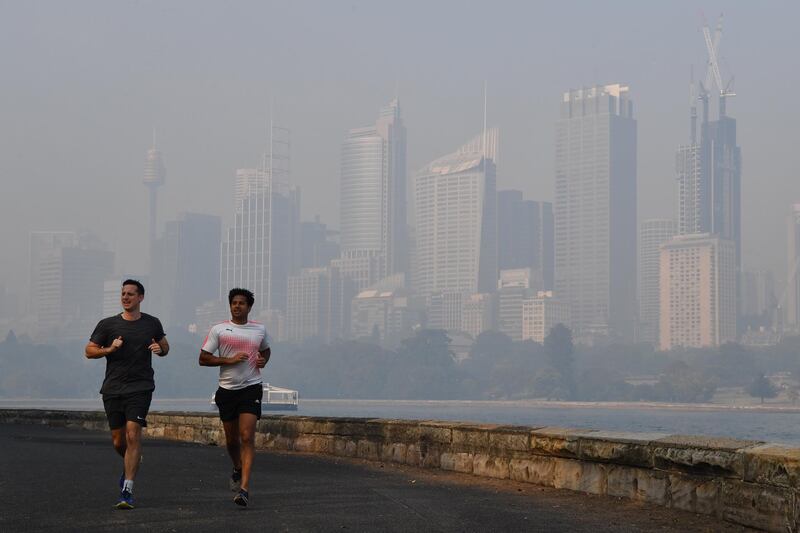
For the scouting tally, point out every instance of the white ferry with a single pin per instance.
(275, 399)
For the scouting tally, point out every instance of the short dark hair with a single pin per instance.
(139, 286)
(241, 292)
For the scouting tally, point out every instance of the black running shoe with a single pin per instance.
(242, 498)
(235, 483)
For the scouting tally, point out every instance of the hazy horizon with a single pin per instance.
(85, 83)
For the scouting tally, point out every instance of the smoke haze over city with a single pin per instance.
(85, 83)
(468, 186)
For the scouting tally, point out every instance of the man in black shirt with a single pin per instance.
(127, 341)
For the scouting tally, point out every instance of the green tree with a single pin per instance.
(762, 387)
(559, 350)
(424, 368)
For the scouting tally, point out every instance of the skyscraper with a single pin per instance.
(698, 292)
(652, 234)
(69, 288)
(184, 271)
(456, 217)
(258, 252)
(595, 209)
(373, 193)
(709, 169)
(709, 180)
(319, 304)
(525, 236)
(792, 298)
(154, 177)
(41, 245)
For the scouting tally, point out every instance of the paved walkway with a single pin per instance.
(55, 479)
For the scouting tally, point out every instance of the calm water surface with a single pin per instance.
(772, 425)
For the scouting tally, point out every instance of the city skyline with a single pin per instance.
(204, 148)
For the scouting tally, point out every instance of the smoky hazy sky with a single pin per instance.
(82, 85)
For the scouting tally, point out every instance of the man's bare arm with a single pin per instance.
(160, 348)
(263, 357)
(95, 351)
(207, 359)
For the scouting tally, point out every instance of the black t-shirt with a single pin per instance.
(130, 368)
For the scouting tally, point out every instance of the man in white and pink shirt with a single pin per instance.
(243, 351)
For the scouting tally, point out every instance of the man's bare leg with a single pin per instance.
(133, 452)
(119, 441)
(231, 428)
(247, 430)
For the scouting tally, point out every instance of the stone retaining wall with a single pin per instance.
(747, 482)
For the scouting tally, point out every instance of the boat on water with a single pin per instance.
(275, 399)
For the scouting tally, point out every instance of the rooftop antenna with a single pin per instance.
(484, 118)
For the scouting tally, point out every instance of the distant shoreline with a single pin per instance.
(537, 404)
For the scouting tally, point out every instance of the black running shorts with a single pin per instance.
(232, 403)
(131, 407)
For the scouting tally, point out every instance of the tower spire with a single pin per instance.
(484, 118)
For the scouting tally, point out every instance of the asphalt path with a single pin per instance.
(56, 479)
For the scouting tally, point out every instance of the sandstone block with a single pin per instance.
(772, 464)
(440, 433)
(538, 470)
(697, 494)
(457, 462)
(367, 449)
(509, 440)
(759, 506)
(470, 437)
(619, 447)
(560, 442)
(413, 455)
(394, 452)
(490, 466)
(579, 476)
(701, 455)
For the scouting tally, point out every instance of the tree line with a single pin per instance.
(423, 367)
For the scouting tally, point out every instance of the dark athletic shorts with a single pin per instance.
(128, 407)
(232, 403)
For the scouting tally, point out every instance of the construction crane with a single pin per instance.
(713, 74)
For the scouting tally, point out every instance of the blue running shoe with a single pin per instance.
(243, 498)
(125, 500)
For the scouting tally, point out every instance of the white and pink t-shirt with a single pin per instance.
(229, 339)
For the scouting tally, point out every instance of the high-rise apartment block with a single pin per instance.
(373, 193)
(456, 222)
(698, 292)
(595, 209)
(652, 234)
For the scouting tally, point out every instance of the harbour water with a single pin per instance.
(780, 425)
